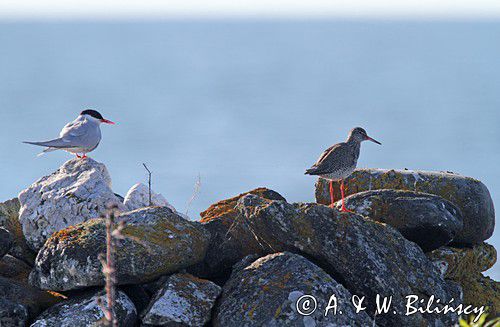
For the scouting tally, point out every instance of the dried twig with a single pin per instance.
(149, 183)
(197, 188)
(109, 268)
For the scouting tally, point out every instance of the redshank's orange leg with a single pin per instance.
(343, 209)
(332, 199)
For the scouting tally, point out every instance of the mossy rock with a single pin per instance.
(479, 290)
(465, 261)
(468, 194)
(155, 241)
(228, 245)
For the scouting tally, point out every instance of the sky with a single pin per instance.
(70, 9)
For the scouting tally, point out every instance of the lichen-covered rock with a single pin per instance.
(78, 191)
(34, 300)
(369, 257)
(479, 290)
(9, 219)
(265, 293)
(224, 250)
(183, 300)
(13, 268)
(12, 314)
(463, 262)
(85, 311)
(6, 241)
(156, 241)
(426, 219)
(468, 194)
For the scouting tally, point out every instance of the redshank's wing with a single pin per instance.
(331, 160)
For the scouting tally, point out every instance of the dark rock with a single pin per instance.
(367, 257)
(6, 241)
(138, 295)
(459, 263)
(224, 251)
(184, 300)
(156, 241)
(13, 268)
(34, 300)
(9, 219)
(426, 219)
(12, 314)
(85, 311)
(265, 293)
(468, 194)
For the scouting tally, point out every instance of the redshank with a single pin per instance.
(339, 161)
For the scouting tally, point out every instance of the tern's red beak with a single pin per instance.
(105, 121)
(373, 140)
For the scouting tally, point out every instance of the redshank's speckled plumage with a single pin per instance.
(339, 161)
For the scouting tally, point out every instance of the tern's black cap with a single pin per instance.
(92, 113)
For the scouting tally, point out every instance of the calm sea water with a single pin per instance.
(248, 104)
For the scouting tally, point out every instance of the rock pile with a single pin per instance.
(252, 260)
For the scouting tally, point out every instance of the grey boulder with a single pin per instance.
(470, 195)
(183, 300)
(85, 311)
(155, 241)
(426, 219)
(266, 292)
(78, 191)
(368, 257)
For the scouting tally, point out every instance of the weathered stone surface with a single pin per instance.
(156, 242)
(426, 219)
(224, 250)
(6, 241)
(78, 191)
(12, 314)
(9, 219)
(34, 300)
(183, 300)
(265, 293)
(368, 257)
(138, 197)
(13, 268)
(463, 262)
(468, 194)
(480, 290)
(85, 311)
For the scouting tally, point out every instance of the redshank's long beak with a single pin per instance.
(373, 140)
(105, 121)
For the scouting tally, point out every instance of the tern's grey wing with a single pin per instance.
(81, 133)
(334, 158)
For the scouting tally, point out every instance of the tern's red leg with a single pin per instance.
(343, 209)
(332, 199)
(84, 156)
(76, 154)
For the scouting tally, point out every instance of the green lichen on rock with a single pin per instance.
(468, 194)
(465, 261)
(156, 241)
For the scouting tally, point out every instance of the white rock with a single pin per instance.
(78, 191)
(183, 300)
(138, 197)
